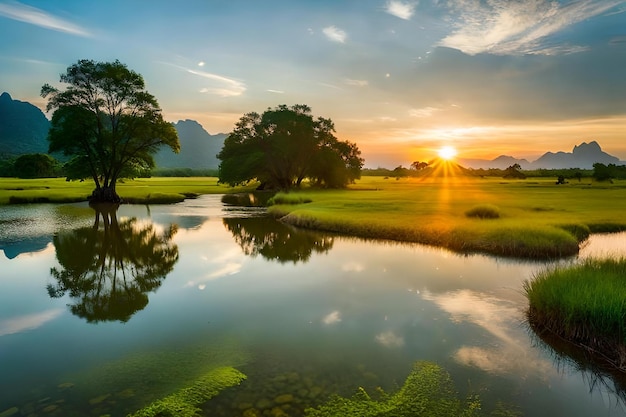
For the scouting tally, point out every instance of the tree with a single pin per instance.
(35, 165)
(417, 165)
(285, 145)
(108, 123)
(514, 171)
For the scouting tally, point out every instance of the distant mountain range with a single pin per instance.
(198, 148)
(582, 156)
(23, 128)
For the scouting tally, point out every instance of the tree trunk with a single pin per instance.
(105, 195)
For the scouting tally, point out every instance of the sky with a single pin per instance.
(399, 78)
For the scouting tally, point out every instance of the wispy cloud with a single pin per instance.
(226, 87)
(505, 27)
(356, 83)
(275, 91)
(403, 10)
(34, 16)
(423, 112)
(335, 34)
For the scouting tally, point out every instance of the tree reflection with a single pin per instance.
(108, 268)
(276, 241)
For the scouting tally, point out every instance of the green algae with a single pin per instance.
(185, 402)
(427, 391)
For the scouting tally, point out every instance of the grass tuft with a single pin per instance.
(288, 198)
(484, 211)
(584, 304)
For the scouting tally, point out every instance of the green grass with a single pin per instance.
(484, 211)
(536, 219)
(144, 190)
(584, 304)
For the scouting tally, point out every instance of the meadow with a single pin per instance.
(520, 218)
(532, 218)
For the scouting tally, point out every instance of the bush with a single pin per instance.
(484, 211)
(283, 198)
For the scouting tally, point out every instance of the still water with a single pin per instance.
(101, 314)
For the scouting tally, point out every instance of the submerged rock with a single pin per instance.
(9, 412)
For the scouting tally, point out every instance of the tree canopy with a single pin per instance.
(285, 145)
(107, 122)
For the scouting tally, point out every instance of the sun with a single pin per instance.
(446, 152)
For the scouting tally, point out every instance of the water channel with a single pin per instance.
(102, 313)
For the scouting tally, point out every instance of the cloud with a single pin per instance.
(275, 91)
(357, 83)
(229, 87)
(505, 27)
(403, 10)
(335, 34)
(28, 14)
(423, 112)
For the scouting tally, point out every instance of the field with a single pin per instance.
(522, 218)
(525, 218)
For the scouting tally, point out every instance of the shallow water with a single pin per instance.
(304, 315)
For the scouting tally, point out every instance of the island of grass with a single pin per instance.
(585, 305)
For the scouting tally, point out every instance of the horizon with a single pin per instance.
(401, 79)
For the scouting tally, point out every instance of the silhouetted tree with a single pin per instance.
(418, 165)
(276, 241)
(514, 171)
(285, 145)
(108, 268)
(108, 122)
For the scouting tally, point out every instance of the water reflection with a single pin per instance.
(276, 241)
(599, 373)
(107, 269)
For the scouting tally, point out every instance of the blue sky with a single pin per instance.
(399, 78)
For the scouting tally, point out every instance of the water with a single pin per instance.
(89, 329)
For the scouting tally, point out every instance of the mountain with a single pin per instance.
(501, 162)
(197, 148)
(23, 128)
(582, 156)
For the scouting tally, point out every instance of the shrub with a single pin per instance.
(484, 211)
(283, 198)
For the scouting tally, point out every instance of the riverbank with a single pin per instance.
(582, 304)
(531, 218)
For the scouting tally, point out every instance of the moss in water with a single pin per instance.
(427, 391)
(186, 401)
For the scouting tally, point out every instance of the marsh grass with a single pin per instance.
(484, 211)
(139, 191)
(584, 304)
(542, 221)
(288, 198)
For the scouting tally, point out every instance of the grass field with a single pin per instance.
(521, 218)
(144, 190)
(532, 218)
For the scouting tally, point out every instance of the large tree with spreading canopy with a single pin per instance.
(285, 145)
(107, 122)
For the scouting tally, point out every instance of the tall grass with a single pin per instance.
(583, 303)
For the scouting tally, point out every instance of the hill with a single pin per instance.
(23, 128)
(197, 148)
(582, 156)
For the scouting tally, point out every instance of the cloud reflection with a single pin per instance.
(390, 339)
(27, 322)
(332, 318)
(498, 317)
